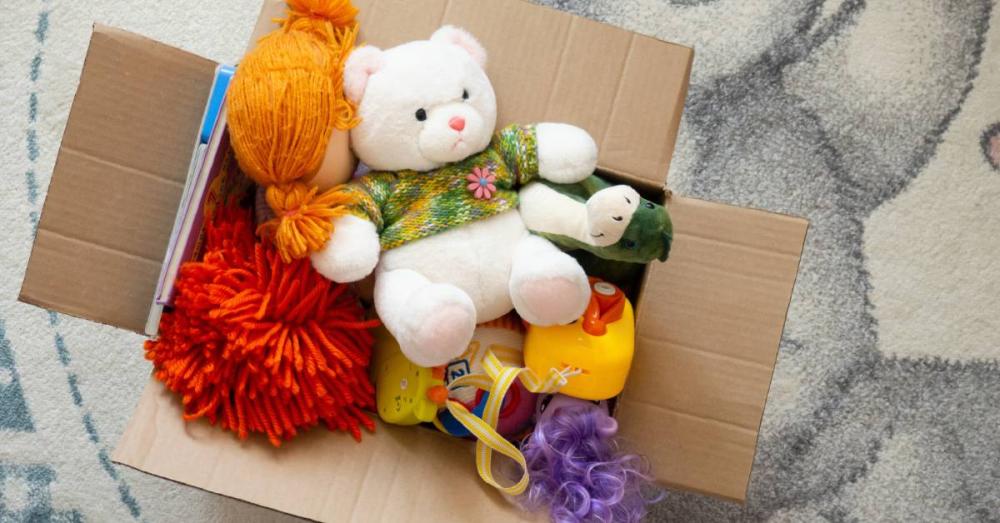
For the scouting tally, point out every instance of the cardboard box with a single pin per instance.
(709, 320)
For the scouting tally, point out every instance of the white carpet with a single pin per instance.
(79, 381)
(875, 121)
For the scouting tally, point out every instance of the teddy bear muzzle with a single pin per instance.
(452, 132)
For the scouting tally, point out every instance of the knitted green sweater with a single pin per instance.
(409, 205)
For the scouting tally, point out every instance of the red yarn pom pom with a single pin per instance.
(258, 345)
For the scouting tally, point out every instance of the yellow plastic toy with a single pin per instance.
(405, 393)
(600, 345)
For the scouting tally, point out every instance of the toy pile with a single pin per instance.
(498, 261)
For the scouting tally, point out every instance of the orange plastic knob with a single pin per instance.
(438, 394)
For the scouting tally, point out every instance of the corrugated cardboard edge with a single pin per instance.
(680, 461)
(637, 142)
(319, 475)
(777, 352)
(24, 294)
(87, 259)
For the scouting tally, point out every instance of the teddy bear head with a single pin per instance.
(422, 104)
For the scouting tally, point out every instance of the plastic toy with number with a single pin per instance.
(405, 393)
(515, 413)
(600, 345)
(505, 338)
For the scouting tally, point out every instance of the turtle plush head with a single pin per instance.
(612, 222)
(647, 237)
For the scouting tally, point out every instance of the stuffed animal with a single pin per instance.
(612, 222)
(438, 212)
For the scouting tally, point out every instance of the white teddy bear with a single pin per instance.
(439, 211)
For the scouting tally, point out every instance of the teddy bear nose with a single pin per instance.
(457, 123)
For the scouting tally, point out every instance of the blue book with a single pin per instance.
(187, 219)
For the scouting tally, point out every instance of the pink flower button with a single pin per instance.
(481, 183)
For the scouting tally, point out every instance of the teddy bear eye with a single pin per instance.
(649, 205)
(465, 94)
(421, 115)
(629, 244)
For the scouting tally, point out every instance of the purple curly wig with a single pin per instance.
(576, 470)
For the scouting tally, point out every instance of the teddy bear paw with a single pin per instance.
(609, 212)
(566, 153)
(351, 253)
(552, 301)
(438, 326)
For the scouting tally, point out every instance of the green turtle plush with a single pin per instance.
(610, 221)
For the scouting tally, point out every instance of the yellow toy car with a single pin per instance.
(405, 393)
(599, 345)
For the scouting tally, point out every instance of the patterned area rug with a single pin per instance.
(879, 122)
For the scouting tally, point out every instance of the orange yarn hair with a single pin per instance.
(255, 344)
(284, 102)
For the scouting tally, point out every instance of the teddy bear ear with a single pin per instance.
(450, 34)
(361, 64)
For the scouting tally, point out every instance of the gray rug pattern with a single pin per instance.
(867, 436)
(878, 120)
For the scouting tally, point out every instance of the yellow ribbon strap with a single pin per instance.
(497, 380)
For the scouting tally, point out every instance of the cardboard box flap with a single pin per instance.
(710, 323)
(398, 475)
(709, 326)
(118, 179)
(626, 89)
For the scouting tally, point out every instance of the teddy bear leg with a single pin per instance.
(432, 322)
(547, 286)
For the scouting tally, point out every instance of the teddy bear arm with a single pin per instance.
(354, 247)
(517, 147)
(351, 253)
(566, 153)
(372, 192)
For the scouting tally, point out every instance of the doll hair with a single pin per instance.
(576, 470)
(284, 102)
(257, 345)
